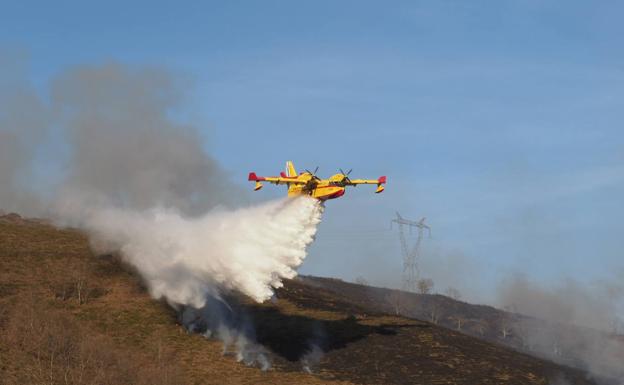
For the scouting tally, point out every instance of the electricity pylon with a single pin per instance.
(410, 256)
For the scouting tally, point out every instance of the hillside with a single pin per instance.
(564, 343)
(68, 316)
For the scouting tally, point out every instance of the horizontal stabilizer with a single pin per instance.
(254, 177)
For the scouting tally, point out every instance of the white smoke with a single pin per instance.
(185, 259)
(579, 323)
(141, 183)
(311, 359)
(190, 261)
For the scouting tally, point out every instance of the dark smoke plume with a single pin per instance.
(126, 149)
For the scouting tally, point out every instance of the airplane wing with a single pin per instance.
(379, 182)
(273, 179)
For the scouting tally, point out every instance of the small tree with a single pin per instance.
(459, 321)
(80, 284)
(481, 327)
(396, 300)
(505, 330)
(361, 281)
(505, 326)
(453, 293)
(425, 285)
(434, 312)
(556, 348)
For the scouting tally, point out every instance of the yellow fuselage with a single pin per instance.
(323, 190)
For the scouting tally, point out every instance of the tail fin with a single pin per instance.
(290, 169)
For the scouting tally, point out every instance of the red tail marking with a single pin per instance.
(254, 177)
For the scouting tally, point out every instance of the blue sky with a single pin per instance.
(501, 121)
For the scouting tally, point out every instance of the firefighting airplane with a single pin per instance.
(309, 184)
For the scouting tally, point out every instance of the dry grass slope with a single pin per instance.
(69, 317)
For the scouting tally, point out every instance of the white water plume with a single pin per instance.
(185, 259)
(143, 185)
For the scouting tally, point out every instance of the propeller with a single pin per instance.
(313, 173)
(345, 178)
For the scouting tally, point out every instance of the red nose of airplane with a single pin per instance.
(337, 194)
